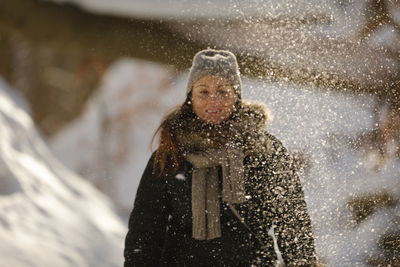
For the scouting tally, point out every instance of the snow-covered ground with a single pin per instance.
(110, 144)
(49, 215)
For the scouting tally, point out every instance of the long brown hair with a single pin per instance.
(168, 157)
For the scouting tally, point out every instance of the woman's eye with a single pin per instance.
(223, 92)
(203, 92)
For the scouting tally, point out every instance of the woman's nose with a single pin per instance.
(213, 98)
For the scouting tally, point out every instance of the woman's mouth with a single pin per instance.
(213, 111)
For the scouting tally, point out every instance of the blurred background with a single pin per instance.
(85, 83)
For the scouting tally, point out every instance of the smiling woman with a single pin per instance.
(219, 190)
(213, 99)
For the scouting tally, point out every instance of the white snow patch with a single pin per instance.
(198, 9)
(114, 133)
(180, 176)
(49, 216)
(280, 262)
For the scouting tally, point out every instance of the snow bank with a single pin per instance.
(49, 215)
(114, 133)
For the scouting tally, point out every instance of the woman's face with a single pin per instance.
(213, 99)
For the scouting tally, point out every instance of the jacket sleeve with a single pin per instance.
(147, 222)
(293, 225)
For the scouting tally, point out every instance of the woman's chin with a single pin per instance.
(213, 120)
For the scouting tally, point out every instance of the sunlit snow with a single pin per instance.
(113, 134)
(197, 9)
(49, 215)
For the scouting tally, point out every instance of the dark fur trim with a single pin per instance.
(246, 128)
(256, 111)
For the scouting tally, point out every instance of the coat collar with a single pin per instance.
(244, 128)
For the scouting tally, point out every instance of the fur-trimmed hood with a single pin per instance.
(245, 128)
(255, 114)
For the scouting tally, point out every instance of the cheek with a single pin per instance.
(198, 108)
(229, 105)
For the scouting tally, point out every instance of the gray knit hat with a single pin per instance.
(215, 62)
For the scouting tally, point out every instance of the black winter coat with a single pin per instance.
(160, 225)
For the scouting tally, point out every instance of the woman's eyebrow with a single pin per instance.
(200, 85)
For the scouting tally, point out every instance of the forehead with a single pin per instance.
(211, 80)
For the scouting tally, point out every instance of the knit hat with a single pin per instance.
(220, 63)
